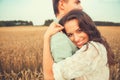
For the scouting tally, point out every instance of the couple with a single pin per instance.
(89, 54)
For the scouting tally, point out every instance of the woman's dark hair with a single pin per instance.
(88, 26)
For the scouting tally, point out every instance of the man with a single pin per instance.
(61, 7)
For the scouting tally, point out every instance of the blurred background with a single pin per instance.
(24, 22)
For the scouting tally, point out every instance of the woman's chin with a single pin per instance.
(79, 46)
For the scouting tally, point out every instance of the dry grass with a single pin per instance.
(21, 52)
(112, 35)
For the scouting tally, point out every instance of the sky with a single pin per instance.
(38, 11)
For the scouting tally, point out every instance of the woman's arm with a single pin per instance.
(47, 58)
(81, 63)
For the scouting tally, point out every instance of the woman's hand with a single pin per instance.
(52, 29)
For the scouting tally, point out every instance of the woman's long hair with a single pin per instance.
(88, 26)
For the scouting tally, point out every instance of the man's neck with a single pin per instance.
(59, 16)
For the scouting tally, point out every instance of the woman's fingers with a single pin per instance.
(54, 28)
(59, 27)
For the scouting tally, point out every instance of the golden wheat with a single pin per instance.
(112, 35)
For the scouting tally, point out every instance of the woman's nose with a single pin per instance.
(76, 38)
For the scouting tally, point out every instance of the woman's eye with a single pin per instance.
(69, 35)
(79, 30)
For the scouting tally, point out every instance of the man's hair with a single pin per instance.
(55, 6)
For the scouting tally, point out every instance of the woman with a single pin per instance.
(91, 61)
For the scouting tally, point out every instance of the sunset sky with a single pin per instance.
(38, 11)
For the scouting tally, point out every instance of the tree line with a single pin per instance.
(103, 23)
(98, 23)
(16, 23)
(47, 23)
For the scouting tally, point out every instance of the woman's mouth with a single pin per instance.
(79, 44)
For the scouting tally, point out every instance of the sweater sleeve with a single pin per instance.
(83, 62)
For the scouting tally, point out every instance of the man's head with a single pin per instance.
(62, 7)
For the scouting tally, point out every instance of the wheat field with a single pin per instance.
(21, 51)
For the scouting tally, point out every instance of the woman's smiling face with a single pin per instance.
(76, 35)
